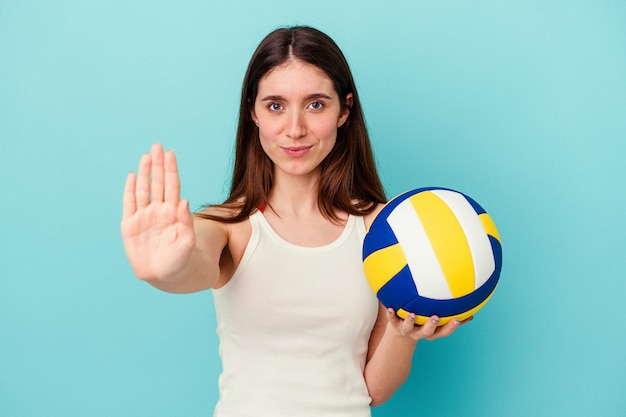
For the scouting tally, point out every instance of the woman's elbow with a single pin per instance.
(379, 398)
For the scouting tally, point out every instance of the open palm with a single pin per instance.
(157, 227)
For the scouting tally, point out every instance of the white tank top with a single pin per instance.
(294, 324)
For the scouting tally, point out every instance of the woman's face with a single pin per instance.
(298, 113)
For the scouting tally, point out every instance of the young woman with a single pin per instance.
(300, 331)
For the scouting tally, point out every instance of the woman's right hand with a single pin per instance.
(157, 227)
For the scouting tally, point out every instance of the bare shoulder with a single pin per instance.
(369, 218)
(216, 219)
(206, 224)
(234, 236)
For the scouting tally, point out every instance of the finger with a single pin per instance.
(408, 324)
(392, 317)
(156, 177)
(428, 329)
(183, 213)
(142, 189)
(446, 329)
(467, 320)
(172, 181)
(129, 203)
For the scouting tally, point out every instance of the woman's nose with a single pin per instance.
(296, 126)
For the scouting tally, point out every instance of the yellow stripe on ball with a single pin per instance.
(448, 240)
(490, 226)
(383, 265)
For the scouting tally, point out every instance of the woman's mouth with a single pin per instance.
(296, 151)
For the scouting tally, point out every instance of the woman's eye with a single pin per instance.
(275, 107)
(316, 105)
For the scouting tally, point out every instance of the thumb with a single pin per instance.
(183, 213)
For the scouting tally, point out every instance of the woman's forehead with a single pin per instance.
(295, 75)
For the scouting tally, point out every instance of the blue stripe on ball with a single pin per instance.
(399, 290)
(475, 205)
(496, 247)
(384, 238)
(444, 308)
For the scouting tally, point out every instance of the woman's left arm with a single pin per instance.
(391, 349)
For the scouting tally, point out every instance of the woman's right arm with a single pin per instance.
(165, 245)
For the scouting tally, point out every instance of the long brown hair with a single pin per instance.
(349, 180)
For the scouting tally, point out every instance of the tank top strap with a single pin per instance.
(360, 226)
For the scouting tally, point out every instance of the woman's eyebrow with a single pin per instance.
(313, 96)
(272, 98)
(318, 95)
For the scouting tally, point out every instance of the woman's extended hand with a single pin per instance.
(157, 227)
(428, 331)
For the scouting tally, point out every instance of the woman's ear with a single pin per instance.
(252, 113)
(345, 112)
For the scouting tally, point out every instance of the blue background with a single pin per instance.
(521, 105)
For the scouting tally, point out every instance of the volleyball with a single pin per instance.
(433, 251)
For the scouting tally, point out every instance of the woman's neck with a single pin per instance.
(295, 204)
(293, 212)
(295, 196)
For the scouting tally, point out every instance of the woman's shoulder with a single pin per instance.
(222, 219)
(225, 218)
(369, 217)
